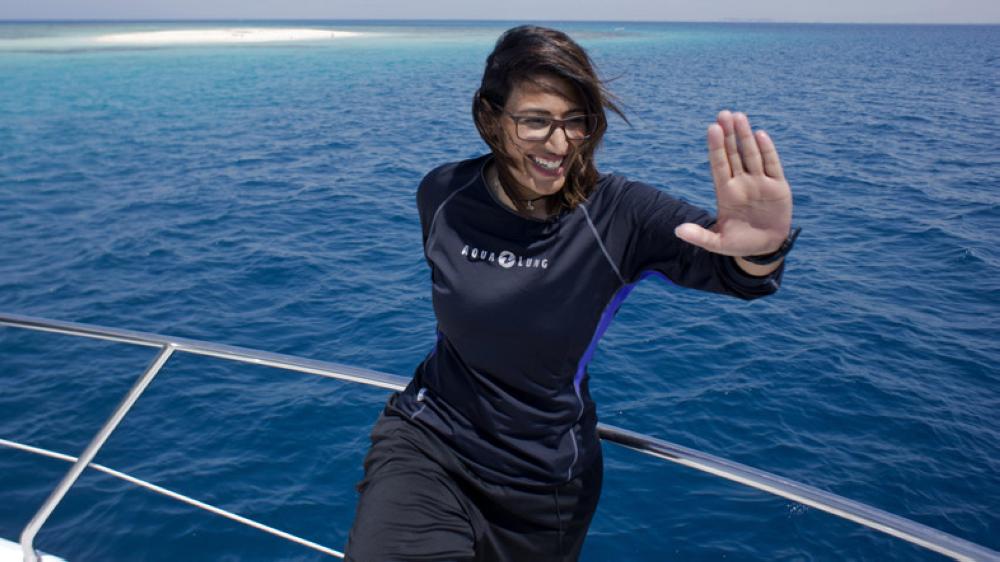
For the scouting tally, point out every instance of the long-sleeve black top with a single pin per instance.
(521, 305)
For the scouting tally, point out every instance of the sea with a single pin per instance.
(262, 195)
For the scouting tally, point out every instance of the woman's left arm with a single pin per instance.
(754, 200)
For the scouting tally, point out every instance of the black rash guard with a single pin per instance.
(521, 305)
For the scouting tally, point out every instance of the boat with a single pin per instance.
(167, 346)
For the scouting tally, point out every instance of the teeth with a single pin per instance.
(547, 164)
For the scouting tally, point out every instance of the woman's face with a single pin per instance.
(540, 166)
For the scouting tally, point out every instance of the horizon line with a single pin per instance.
(471, 20)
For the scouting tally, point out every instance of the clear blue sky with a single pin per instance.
(880, 11)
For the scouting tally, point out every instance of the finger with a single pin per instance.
(721, 172)
(772, 165)
(748, 145)
(699, 236)
(725, 120)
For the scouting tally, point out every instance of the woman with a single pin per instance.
(491, 452)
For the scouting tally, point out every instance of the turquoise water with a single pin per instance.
(262, 195)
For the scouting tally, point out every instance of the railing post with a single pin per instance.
(28, 535)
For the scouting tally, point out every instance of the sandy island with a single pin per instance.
(227, 35)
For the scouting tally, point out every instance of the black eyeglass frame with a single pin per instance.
(589, 120)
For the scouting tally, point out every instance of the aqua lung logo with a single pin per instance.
(505, 259)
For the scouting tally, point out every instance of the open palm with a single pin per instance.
(754, 200)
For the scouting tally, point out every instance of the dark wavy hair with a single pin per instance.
(522, 55)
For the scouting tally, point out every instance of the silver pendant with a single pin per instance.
(531, 205)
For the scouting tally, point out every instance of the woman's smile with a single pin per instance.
(548, 166)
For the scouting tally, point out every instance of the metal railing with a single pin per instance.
(911, 531)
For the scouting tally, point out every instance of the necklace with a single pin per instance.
(529, 204)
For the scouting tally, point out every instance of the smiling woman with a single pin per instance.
(491, 451)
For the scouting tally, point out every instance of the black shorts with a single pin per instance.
(420, 502)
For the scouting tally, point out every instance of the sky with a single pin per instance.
(847, 11)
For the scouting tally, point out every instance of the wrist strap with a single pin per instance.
(781, 252)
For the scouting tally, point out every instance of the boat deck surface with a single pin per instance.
(11, 552)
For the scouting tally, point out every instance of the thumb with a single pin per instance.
(699, 236)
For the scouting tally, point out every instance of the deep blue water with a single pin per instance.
(263, 196)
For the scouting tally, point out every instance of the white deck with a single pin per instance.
(11, 552)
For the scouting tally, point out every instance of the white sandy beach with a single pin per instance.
(223, 35)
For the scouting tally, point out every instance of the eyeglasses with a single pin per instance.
(538, 128)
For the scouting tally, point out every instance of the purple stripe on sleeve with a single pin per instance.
(606, 317)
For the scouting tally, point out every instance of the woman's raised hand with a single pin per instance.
(754, 200)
